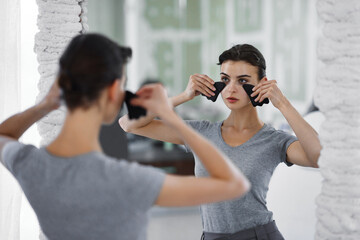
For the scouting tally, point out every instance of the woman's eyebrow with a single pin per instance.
(244, 75)
(240, 76)
(222, 73)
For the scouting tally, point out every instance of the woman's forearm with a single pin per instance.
(179, 99)
(307, 136)
(129, 126)
(17, 124)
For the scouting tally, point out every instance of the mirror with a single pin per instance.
(173, 39)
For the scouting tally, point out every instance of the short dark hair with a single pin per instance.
(89, 64)
(247, 53)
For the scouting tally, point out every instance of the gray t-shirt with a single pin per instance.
(90, 196)
(257, 158)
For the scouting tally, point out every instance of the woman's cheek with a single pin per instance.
(244, 96)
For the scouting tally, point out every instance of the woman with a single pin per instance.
(77, 192)
(253, 146)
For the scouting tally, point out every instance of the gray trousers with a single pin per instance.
(263, 232)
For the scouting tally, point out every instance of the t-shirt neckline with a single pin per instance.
(245, 143)
(71, 157)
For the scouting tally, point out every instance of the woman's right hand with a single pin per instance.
(199, 84)
(154, 98)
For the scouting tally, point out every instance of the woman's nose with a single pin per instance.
(231, 87)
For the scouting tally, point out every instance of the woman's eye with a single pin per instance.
(225, 79)
(242, 81)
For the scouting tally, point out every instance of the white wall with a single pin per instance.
(291, 198)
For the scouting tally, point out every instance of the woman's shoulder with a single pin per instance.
(16, 145)
(17, 150)
(14, 154)
(277, 134)
(268, 128)
(202, 125)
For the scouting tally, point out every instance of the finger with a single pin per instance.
(262, 93)
(144, 91)
(144, 88)
(209, 91)
(267, 95)
(138, 102)
(204, 76)
(264, 84)
(204, 90)
(263, 88)
(205, 80)
(205, 86)
(260, 85)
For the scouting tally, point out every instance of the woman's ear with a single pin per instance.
(113, 90)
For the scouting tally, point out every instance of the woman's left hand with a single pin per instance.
(52, 100)
(268, 89)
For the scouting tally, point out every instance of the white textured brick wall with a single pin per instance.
(338, 91)
(58, 22)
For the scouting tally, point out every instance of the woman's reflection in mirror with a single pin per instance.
(253, 146)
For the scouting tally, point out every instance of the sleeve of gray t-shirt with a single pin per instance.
(284, 140)
(146, 185)
(10, 153)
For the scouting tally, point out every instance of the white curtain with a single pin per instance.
(10, 193)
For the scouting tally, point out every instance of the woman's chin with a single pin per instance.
(238, 106)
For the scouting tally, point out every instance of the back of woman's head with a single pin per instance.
(246, 53)
(90, 63)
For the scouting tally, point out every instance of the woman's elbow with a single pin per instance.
(123, 122)
(315, 164)
(241, 187)
(246, 186)
(315, 161)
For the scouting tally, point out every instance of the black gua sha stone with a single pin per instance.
(248, 89)
(134, 112)
(219, 87)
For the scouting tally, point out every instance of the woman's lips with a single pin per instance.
(232, 100)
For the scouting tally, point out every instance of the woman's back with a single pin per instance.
(75, 190)
(89, 196)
